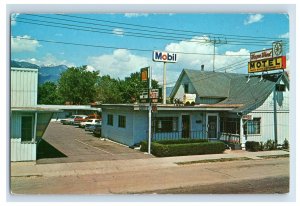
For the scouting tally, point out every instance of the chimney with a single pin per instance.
(202, 67)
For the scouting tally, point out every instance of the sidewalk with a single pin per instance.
(27, 169)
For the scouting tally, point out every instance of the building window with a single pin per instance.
(253, 126)
(186, 88)
(230, 125)
(280, 88)
(110, 119)
(122, 121)
(26, 128)
(166, 124)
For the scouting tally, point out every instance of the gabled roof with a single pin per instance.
(207, 83)
(252, 93)
(234, 88)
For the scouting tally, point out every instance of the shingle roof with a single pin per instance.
(251, 94)
(211, 84)
(234, 88)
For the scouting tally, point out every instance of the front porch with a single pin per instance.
(227, 138)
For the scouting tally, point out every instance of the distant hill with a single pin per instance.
(46, 73)
(23, 65)
(51, 73)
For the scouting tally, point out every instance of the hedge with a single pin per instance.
(181, 141)
(182, 149)
(252, 146)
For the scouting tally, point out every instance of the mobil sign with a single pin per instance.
(159, 56)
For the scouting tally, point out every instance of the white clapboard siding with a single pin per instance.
(22, 151)
(24, 87)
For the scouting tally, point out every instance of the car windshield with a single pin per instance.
(90, 120)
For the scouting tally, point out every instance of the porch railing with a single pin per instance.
(228, 137)
(179, 135)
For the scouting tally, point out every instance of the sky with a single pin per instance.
(120, 44)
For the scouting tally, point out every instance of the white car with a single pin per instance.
(89, 123)
(71, 119)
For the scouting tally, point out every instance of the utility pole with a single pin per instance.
(275, 116)
(149, 112)
(215, 41)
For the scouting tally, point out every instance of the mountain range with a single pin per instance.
(46, 73)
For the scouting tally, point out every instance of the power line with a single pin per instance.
(171, 29)
(257, 40)
(107, 31)
(113, 47)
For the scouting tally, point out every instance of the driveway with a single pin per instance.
(66, 143)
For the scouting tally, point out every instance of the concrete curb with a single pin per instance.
(115, 166)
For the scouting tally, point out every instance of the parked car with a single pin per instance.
(79, 119)
(89, 124)
(70, 120)
(84, 120)
(97, 130)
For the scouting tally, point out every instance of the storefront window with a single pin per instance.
(230, 125)
(166, 124)
(122, 121)
(253, 126)
(110, 119)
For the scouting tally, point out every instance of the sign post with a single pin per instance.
(164, 57)
(268, 60)
(146, 76)
(165, 84)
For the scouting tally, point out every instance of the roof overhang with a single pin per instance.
(34, 109)
(69, 107)
(171, 107)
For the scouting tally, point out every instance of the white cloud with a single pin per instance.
(13, 18)
(48, 60)
(119, 64)
(90, 68)
(130, 15)
(20, 44)
(122, 62)
(118, 32)
(253, 18)
(286, 35)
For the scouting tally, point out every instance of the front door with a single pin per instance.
(26, 128)
(212, 126)
(185, 126)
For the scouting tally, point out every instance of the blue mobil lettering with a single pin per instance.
(164, 57)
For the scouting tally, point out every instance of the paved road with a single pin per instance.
(160, 177)
(268, 185)
(66, 143)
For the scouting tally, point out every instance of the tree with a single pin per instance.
(114, 91)
(77, 85)
(132, 87)
(48, 94)
(108, 90)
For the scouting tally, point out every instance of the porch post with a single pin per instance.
(242, 137)
(35, 126)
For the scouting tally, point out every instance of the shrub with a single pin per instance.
(285, 144)
(173, 149)
(252, 146)
(144, 146)
(261, 146)
(270, 145)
